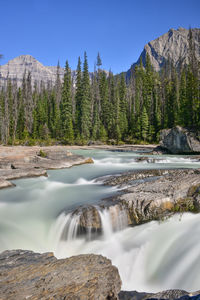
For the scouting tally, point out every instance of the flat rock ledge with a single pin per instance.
(22, 162)
(29, 275)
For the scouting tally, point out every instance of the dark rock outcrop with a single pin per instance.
(29, 275)
(180, 140)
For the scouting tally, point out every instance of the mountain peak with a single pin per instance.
(172, 45)
(23, 58)
(15, 69)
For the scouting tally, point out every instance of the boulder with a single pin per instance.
(179, 140)
(29, 275)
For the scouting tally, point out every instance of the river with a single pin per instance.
(150, 257)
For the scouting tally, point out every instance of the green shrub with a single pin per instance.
(42, 154)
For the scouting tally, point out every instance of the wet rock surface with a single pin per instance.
(21, 162)
(29, 275)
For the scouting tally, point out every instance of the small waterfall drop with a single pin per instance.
(67, 226)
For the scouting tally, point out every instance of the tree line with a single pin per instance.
(101, 106)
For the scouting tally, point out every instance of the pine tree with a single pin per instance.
(66, 107)
(103, 88)
(144, 124)
(78, 99)
(123, 122)
(96, 108)
(99, 62)
(85, 102)
(21, 117)
(184, 109)
(28, 102)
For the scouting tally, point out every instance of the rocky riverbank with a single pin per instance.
(22, 162)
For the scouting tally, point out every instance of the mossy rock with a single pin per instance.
(42, 154)
(194, 189)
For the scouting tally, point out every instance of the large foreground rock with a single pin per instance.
(180, 140)
(29, 275)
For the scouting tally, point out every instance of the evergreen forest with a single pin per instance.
(100, 106)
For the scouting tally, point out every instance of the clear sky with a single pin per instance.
(53, 30)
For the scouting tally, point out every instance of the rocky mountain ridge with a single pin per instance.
(173, 45)
(16, 68)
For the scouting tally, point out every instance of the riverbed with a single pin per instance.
(150, 257)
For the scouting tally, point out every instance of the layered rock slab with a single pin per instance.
(22, 162)
(145, 196)
(29, 275)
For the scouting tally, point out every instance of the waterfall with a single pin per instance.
(150, 257)
(65, 228)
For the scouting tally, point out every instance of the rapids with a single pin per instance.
(36, 215)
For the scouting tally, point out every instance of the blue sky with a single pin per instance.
(53, 30)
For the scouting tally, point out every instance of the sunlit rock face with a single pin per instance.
(29, 275)
(173, 46)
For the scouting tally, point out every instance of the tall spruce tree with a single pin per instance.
(123, 122)
(66, 107)
(85, 102)
(78, 99)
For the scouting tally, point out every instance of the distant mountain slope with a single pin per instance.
(16, 67)
(172, 45)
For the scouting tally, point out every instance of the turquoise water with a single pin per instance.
(29, 214)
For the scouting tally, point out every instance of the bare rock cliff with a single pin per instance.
(173, 46)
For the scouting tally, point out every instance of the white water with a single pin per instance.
(151, 257)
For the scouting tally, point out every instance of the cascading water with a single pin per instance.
(150, 257)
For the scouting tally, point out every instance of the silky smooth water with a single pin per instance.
(150, 257)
